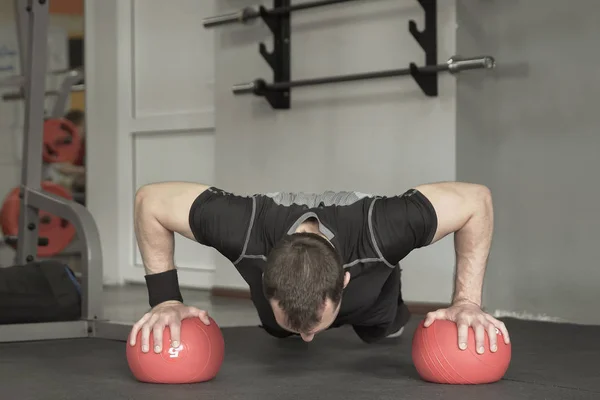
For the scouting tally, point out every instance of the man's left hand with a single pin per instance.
(467, 315)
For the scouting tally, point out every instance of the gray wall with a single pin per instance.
(530, 132)
(373, 136)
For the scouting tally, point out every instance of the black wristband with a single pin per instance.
(162, 287)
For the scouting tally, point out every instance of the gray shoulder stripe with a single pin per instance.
(312, 200)
(248, 232)
(364, 260)
(357, 261)
(258, 256)
(373, 235)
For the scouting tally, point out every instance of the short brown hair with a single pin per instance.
(302, 271)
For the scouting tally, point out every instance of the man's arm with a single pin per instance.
(198, 212)
(162, 209)
(466, 210)
(431, 212)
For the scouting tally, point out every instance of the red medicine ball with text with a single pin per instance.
(198, 357)
(438, 358)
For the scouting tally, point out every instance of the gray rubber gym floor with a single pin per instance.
(550, 361)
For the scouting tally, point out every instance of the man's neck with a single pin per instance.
(311, 225)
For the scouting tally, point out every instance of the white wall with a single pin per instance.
(150, 69)
(373, 136)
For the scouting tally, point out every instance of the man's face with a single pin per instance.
(328, 316)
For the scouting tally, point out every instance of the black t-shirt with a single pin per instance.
(372, 234)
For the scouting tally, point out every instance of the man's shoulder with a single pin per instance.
(342, 213)
(327, 198)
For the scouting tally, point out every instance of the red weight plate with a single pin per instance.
(58, 231)
(62, 142)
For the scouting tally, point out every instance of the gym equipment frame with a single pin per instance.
(278, 92)
(91, 323)
(71, 82)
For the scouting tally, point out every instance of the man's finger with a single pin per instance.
(157, 331)
(463, 335)
(175, 329)
(146, 328)
(491, 331)
(429, 318)
(195, 312)
(136, 328)
(203, 315)
(432, 316)
(479, 337)
(502, 328)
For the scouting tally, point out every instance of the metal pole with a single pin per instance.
(60, 105)
(91, 249)
(22, 17)
(306, 6)
(454, 65)
(35, 81)
(33, 198)
(249, 13)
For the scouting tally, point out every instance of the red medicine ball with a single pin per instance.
(198, 357)
(438, 358)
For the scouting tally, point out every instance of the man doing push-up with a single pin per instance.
(318, 261)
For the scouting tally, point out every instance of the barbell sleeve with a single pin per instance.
(244, 88)
(457, 64)
(242, 16)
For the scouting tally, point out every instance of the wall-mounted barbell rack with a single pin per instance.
(277, 93)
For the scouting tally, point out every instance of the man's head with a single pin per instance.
(303, 280)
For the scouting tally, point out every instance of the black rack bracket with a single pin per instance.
(280, 58)
(427, 39)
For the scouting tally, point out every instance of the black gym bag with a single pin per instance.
(45, 291)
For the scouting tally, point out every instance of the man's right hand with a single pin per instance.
(169, 313)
